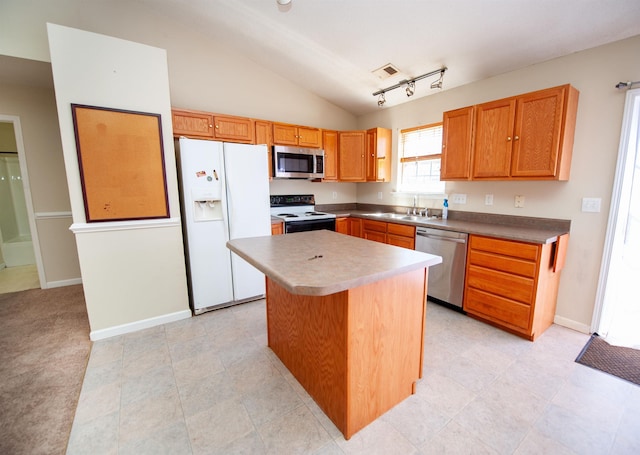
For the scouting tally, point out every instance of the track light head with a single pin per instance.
(381, 100)
(411, 88)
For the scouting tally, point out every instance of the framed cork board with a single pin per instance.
(121, 159)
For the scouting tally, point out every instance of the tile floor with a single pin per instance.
(210, 385)
(21, 278)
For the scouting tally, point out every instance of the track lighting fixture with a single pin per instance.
(438, 83)
(411, 88)
(410, 85)
(628, 84)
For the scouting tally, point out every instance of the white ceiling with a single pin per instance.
(331, 47)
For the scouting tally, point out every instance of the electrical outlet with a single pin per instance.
(591, 204)
(488, 199)
(459, 198)
(379, 194)
(334, 195)
(519, 201)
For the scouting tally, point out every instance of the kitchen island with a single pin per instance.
(346, 316)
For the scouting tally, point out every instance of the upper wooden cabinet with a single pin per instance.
(378, 156)
(303, 136)
(212, 126)
(351, 164)
(494, 138)
(264, 135)
(525, 137)
(457, 143)
(192, 123)
(331, 153)
(236, 129)
(543, 133)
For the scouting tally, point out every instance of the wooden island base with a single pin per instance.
(357, 352)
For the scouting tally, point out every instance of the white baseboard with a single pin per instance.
(101, 334)
(62, 283)
(571, 324)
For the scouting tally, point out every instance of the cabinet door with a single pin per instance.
(493, 139)
(355, 227)
(309, 137)
(378, 155)
(264, 135)
(192, 123)
(375, 236)
(351, 167)
(538, 123)
(330, 146)
(457, 137)
(277, 228)
(285, 134)
(234, 129)
(342, 225)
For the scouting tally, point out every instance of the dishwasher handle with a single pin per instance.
(437, 237)
(437, 234)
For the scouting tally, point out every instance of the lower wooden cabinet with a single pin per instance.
(513, 285)
(342, 225)
(390, 233)
(277, 228)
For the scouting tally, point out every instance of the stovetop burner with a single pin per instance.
(287, 215)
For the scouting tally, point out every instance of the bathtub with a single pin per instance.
(18, 251)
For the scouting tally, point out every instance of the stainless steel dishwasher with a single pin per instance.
(446, 280)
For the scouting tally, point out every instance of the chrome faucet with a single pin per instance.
(415, 204)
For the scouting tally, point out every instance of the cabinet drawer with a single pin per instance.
(370, 225)
(401, 229)
(400, 240)
(512, 265)
(500, 283)
(496, 308)
(375, 236)
(521, 250)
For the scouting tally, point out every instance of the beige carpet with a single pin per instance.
(44, 348)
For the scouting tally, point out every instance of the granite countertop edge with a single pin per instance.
(527, 232)
(259, 252)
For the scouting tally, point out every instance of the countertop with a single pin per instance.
(326, 262)
(524, 229)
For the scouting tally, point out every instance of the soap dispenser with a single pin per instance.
(445, 209)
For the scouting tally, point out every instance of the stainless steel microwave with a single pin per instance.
(297, 163)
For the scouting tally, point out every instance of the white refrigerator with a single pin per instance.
(224, 195)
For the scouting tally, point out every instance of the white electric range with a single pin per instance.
(299, 214)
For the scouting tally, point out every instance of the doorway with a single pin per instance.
(617, 306)
(20, 261)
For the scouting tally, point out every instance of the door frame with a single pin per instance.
(35, 239)
(617, 219)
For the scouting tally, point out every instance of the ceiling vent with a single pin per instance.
(386, 71)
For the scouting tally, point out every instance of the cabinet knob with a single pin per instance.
(508, 138)
(210, 126)
(216, 126)
(516, 137)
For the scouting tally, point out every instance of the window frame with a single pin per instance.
(415, 159)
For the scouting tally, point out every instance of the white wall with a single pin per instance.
(133, 272)
(594, 73)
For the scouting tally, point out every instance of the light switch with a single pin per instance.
(591, 204)
(459, 198)
(488, 199)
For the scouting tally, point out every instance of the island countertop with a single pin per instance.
(325, 262)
